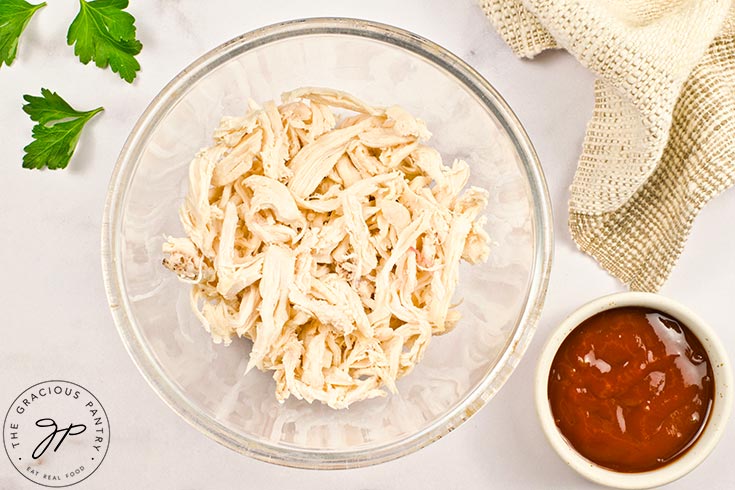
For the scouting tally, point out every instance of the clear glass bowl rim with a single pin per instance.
(112, 232)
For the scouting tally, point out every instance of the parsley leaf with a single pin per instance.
(104, 33)
(56, 135)
(14, 17)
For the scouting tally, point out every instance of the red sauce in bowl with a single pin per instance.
(631, 389)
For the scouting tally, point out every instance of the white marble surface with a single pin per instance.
(56, 323)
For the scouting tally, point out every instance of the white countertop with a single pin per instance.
(56, 321)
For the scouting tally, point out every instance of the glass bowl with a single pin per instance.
(501, 300)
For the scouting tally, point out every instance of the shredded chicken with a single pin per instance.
(332, 243)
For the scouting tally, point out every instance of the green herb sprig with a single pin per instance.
(102, 31)
(14, 17)
(57, 132)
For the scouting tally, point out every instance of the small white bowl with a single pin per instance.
(720, 412)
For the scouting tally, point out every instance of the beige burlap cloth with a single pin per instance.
(661, 142)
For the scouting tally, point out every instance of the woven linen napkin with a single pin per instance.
(661, 142)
